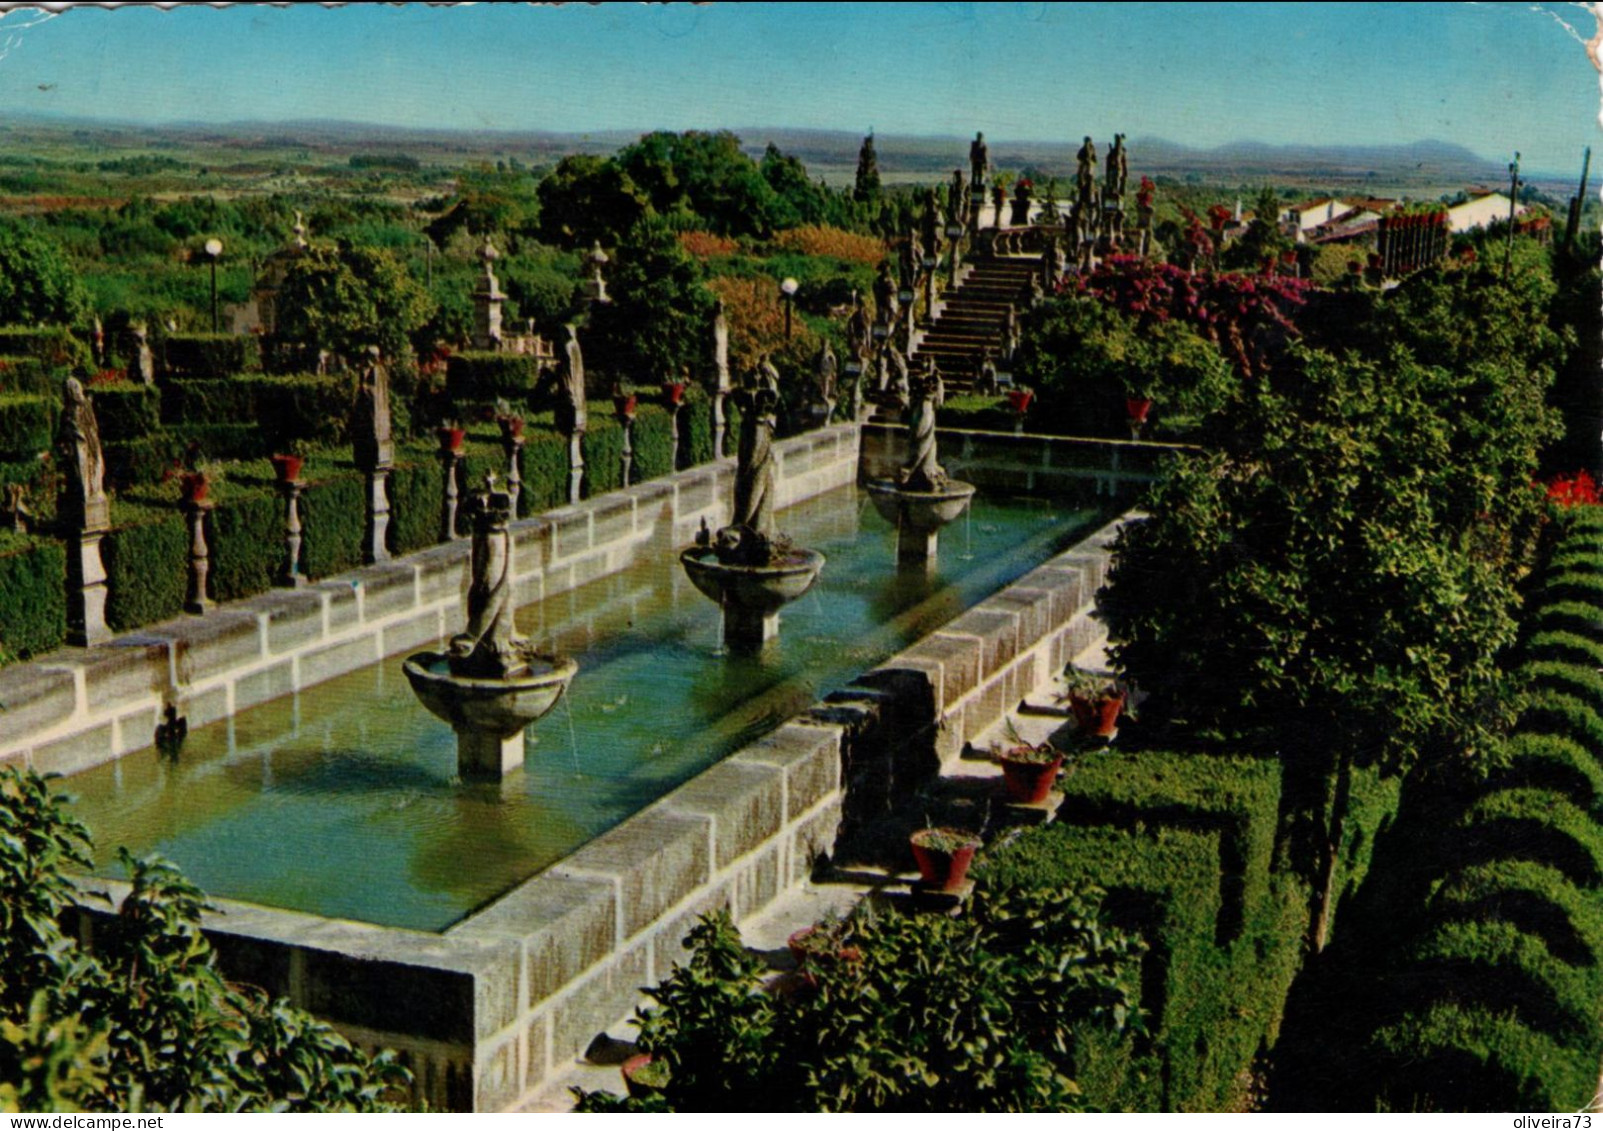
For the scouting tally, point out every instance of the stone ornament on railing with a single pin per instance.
(85, 513)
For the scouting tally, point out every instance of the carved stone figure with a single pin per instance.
(897, 381)
(930, 225)
(921, 472)
(979, 161)
(83, 490)
(824, 374)
(754, 467)
(570, 411)
(143, 367)
(859, 331)
(1118, 171)
(1085, 174)
(886, 306)
(371, 440)
(489, 649)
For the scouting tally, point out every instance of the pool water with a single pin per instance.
(343, 801)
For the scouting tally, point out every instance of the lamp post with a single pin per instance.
(787, 291)
(214, 249)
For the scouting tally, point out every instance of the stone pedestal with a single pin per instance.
(481, 754)
(378, 517)
(196, 601)
(513, 446)
(575, 467)
(289, 575)
(747, 630)
(86, 590)
(673, 435)
(450, 461)
(720, 422)
(917, 549)
(626, 458)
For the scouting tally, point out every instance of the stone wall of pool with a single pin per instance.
(77, 708)
(491, 1009)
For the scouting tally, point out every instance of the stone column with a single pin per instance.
(86, 589)
(674, 409)
(575, 466)
(513, 446)
(378, 517)
(450, 456)
(290, 576)
(195, 511)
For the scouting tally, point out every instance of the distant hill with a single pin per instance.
(830, 153)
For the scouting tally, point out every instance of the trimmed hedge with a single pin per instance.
(208, 356)
(146, 554)
(294, 408)
(22, 374)
(126, 411)
(1576, 617)
(54, 345)
(484, 376)
(33, 596)
(1184, 846)
(1566, 648)
(27, 424)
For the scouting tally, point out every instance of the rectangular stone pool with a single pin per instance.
(343, 801)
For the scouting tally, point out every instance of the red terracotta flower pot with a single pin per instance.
(941, 867)
(194, 486)
(1029, 782)
(287, 468)
(450, 438)
(511, 426)
(674, 391)
(623, 405)
(633, 1071)
(1137, 408)
(1019, 400)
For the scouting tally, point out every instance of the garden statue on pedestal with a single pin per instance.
(921, 472)
(824, 384)
(490, 683)
(721, 383)
(745, 566)
(373, 448)
(921, 498)
(571, 414)
(979, 162)
(886, 305)
(84, 513)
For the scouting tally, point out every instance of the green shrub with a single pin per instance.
(545, 473)
(333, 519)
(209, 356)
(284, 409)
(696, 416)
(1565, 648)
(1550, 761)
(978, 1013)
(1588, 559)
(33, 596)
(1574, 585)
(53, 345)
(1530, 824)
(247, 545)
(603, 453)
(1585, 684)
(414, 489)
(126, 410)
(145, 1021)
(1535, 898)
(27, 424)
(31, 375)
(483, 376)
(653, 447)
(1184, 845)
(1576, 617)
(146, 554)
(1557, 712)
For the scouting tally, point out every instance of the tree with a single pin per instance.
(704, 179)
(36, 282)
(146, 1021)
(866, 189)
(659, 318)
(343, 298)
(586, 199)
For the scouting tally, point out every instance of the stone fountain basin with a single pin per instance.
(921, 512)
(757, 589)
(499, 707)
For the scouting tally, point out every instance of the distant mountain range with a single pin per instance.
(833, 153)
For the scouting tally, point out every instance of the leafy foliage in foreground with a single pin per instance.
(932, 1013)
(146, 1022)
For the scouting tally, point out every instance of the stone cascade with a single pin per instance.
(974, 318)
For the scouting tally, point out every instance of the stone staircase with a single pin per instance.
(973, 317)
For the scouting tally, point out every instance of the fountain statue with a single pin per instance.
(746, 567)
(922, 498)
(490, 683)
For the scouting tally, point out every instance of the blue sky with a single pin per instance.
(1492, 77)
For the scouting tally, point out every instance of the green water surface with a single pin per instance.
(343, 801)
